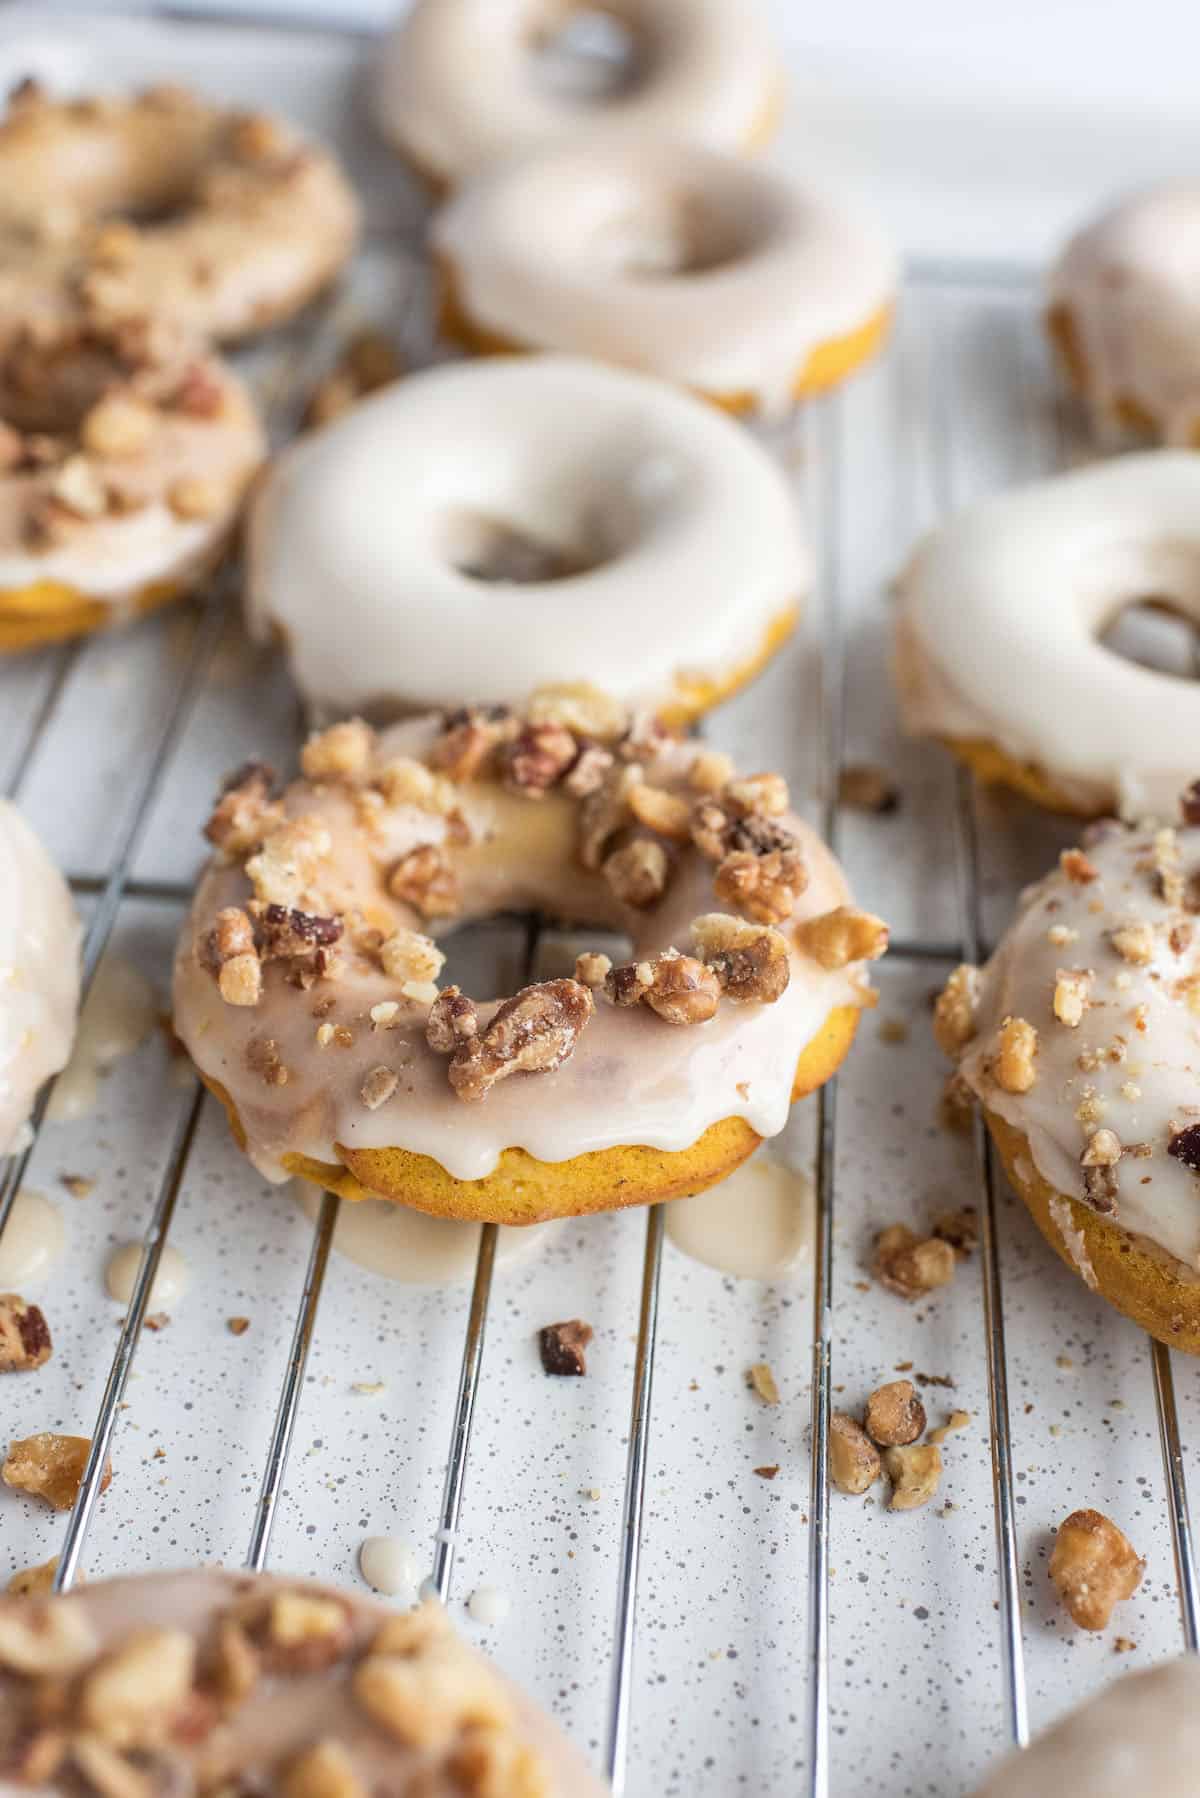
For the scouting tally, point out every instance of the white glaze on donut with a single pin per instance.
(688, 535)
(1139, 1037)
(1140, 1735)
(286, 1712)
(1129, 283)
(632, 1079)
(456, 85)
(39, 971)
(719, 274)
(999, 615)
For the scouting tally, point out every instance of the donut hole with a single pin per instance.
(590, 58)
(1155, 633)
(499, 552)
(674, 235)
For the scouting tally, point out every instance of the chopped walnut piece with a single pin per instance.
(867, 788)
(662, 811)
(1072, 987)
(750, 961)
(710, 771)
(240, 980)
(756, 795)
(836, 938)
(405, 781)
(243, 812)
(470, 740)
(117, 425)
(534, 1032)
(289, 860)
(911, 1266)
(638, 873)
(304, 1633)
(237, 1326)
(343, 752)
(427, 1699)
(956, 1008)
(1133, 943)
(592, 968)
(957, 1420)
(579, 707)
(453, 1021)
(425, 880)
(492, 1763)
(538, 758)
(959, 1228)
(1093, 1566)
(1099, 1163)
(414, 960)
(34, 1582)
(196, 497)
(915, 1473)
(78, 487)
(678, 988)
(1077, 867)
(895, 1415)
(762, 1381)
(47, 1638)
(1184, 1145)
(50, 1466)
(606, 811)
(562, 1346)
(131, 1696)
(105, 1770)
(591, 770)
(323, 1771)
(286, 933)
(766, 887)
(853, 1458)
(378, 1087)
(24, 1335)
(409, 1633)
(1013, 1061)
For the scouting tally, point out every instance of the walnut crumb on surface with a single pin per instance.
(959, 1228)
(1013, 1062)
(1093, 1566)
(80, 1186)
(767, 1473)
(761, 1380)
(31, 1582)
(562, 1346)
(50, 1467)
(24, 1335)
(912, 1266)
(895, 1415)
(836, 938)
(865, 787)
(915, 1473)
(1078, 867)
(854, 1463)
(957, 1420)
(1072, 995)
(237, 1326)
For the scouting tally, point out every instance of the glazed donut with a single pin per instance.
(305, 987)
(457, 84)
(39, 972)
(997, 649)
(124, 458)
(1140, 1734)
(206, 1681)
(489, 527)
(223, 222)
(718, 274)
(1079, 1039)
(1124, 313)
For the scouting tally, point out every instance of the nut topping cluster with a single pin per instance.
(317, 911)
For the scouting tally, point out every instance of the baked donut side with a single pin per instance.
(162, 204)
(1123, 315)
(1080, 1038)
(1000, 612)
(202, 1679)
(124, 460)
(491, 527)
(308, 988)
(39, 983)
(698, 72)
(749, 288)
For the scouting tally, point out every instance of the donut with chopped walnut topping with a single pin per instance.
(207, 1681)
(162, 204)
(1081, 1040)
(311, 994)
(125, 454)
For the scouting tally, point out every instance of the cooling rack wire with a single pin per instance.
(816, 442)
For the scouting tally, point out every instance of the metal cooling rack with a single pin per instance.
(920, 390)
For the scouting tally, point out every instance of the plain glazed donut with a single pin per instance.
(306, 990)
(163, 205)
(489, 527)
(208, 1681)
(1080, 1038)
(721, 275)
(124, 458)
(1140, 1735)
(997, 649)
(457, 83)
(39, 972)
(1124, 313)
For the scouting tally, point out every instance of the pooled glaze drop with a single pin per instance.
(488, 1605)
(120, 1012)
(170, 1282)
(389, 1566)
(412, 1247)
(757, 1224)
(32, 1241)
